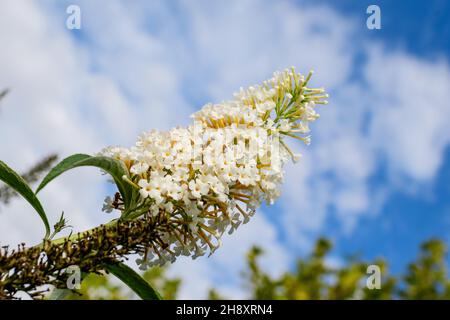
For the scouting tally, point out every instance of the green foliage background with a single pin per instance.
(425, 278)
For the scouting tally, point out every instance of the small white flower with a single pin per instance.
(145, 188)
(198, 188)
(139, 168)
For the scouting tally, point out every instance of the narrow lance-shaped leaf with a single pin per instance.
(114, 167)
(16, 182)
(63, 293)
(133, 280)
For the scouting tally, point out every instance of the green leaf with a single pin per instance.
(128, 276)
(114, 167)
(62, 293)
(59, 294)
(16, 182)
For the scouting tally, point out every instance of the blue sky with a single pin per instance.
(406, 220)
(374, 178)
(420, 27)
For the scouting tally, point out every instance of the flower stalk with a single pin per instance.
(180, 190)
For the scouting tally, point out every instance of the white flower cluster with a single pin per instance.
(209, 178)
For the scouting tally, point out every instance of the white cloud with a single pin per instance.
(412, 114)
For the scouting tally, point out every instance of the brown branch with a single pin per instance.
(27, 269)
